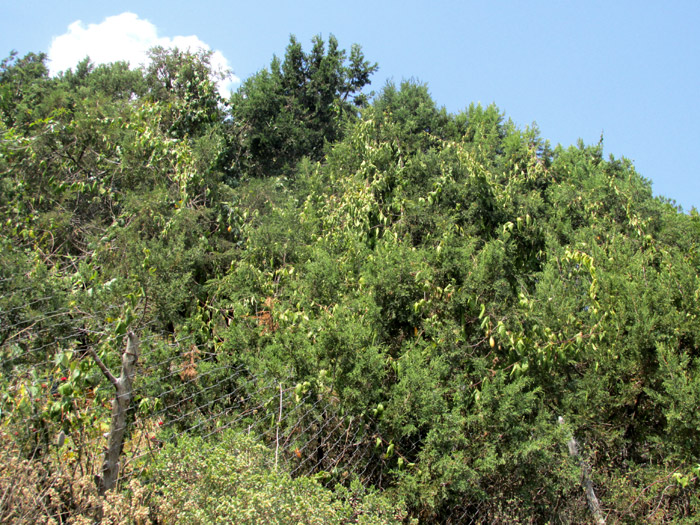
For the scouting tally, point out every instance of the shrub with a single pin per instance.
(234, 480)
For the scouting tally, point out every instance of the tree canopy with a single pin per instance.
(427, 292)
(297, 105)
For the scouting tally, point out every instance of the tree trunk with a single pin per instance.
(120, 404)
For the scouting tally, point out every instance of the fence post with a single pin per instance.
(120, 404)
(279, 422)
(586, 481)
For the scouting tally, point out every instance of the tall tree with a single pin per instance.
(19, 91)
(291, 109)
(187, 81)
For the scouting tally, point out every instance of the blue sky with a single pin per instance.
(626, 70)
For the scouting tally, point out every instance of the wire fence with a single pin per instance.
(57, 409)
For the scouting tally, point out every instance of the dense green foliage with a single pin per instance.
(298, 105)
(234, 481)
(446, 285)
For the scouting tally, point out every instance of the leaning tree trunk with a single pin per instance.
(120, 405)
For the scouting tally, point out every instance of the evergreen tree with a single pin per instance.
(297, 105)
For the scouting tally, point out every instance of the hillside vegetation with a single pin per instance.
(444, 286)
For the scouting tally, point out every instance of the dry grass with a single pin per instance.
(58, 487)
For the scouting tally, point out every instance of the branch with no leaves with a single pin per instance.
(103, 367)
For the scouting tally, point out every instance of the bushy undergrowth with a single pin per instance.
(230, 478)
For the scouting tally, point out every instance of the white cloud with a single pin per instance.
(124, 37)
